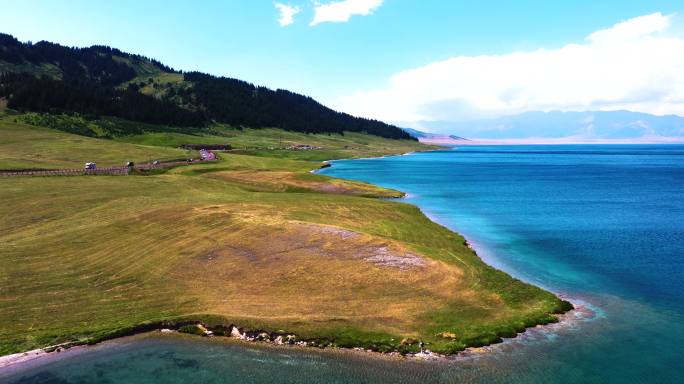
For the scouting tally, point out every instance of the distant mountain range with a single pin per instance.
(593, 126)
(434, 137)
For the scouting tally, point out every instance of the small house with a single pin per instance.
(208, 147)
(206, 155)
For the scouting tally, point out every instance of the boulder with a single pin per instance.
(235, 332)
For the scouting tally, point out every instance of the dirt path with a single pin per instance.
(116, 171)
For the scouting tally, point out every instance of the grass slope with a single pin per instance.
(251, 240)
(268, 142)
(23, 146)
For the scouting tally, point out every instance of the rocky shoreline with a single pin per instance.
(414, 350)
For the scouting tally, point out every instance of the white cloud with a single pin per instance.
(341, 11)
(637, 65)
(287, 13)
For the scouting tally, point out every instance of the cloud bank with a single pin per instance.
(635, 65)
(287, 13)
(342, 11)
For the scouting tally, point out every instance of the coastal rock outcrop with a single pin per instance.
(235, 332)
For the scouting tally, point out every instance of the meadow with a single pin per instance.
(253, 239)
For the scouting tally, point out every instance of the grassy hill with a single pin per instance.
(253, 239)
(27, 147)
(103, 81)
(27, 141)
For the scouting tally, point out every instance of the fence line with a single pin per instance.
(117, 171)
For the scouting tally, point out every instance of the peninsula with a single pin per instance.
(251, 241)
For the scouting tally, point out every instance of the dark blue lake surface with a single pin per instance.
(583, 219)
(602, 225)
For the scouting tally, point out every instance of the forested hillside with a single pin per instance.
(104, 81)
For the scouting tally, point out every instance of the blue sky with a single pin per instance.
(332, 61)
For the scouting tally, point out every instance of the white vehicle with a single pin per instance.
(90, 166)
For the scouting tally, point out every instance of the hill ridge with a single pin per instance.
(100, 80)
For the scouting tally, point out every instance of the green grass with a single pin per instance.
(97, 126)
(49, 70)
(252, 240)
(24, 146)
(26, 142)
(270, 142)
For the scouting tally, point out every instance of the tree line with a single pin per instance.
(91, 83)
(238, 102)
(96, 63)
(42, 94)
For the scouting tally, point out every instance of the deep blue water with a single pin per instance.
(583, 219)
(602, 225)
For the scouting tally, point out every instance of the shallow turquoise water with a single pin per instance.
(602, 225)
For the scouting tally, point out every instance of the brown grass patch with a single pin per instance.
(285, 272)
(282, 181)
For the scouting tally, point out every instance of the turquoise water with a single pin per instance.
(602, 225)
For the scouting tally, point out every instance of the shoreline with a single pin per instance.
(14, 363)
(235, 333)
